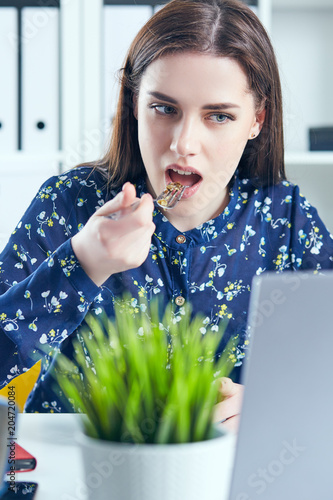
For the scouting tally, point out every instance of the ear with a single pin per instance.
(258, 123)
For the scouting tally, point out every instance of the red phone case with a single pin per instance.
(24, 461)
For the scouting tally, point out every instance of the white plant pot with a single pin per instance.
(190, 471)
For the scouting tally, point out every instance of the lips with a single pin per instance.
(187, 176)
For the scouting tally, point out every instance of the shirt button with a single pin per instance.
(181, 238)
(180, 301)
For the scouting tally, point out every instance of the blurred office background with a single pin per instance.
(58, 87)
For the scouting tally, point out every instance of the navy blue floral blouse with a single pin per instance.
(45, 294)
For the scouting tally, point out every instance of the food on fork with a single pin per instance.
(171, 195)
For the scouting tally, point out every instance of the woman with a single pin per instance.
(200, 104)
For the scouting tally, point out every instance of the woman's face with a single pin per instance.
(195, 115)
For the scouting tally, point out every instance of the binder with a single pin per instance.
(121, 24)
(8, 79)
(40, 79)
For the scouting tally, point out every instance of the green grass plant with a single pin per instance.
(139, 379)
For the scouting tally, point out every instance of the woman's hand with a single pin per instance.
(105, 247)
(227, 411)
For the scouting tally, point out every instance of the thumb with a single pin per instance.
(227, 388)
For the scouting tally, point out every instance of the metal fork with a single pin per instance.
(167, 200)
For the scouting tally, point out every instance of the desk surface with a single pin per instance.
(51, 439)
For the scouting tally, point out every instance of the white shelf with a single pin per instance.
(303, 41)
(20, 156)
(301, 4)
(309, 158)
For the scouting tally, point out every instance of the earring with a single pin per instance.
(253, 135)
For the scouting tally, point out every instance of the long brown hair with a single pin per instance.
(226, 28)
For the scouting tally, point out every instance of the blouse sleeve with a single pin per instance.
(44, 292)
(312, 243)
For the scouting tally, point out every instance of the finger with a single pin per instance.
(227, 409)
(111, 206)
(131, 236)
(123, 234)
(126, 197)
(232, 423)
(129, 193)
(142, 253)
(227, 388)
(131, 250)
(143, 213)
(131, 220)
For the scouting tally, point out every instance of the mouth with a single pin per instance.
(187, 176)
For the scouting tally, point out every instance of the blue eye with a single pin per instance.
(164, 109)
(219, 117)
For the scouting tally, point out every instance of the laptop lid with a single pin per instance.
(285, 442)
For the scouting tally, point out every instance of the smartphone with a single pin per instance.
(23, 461)
(20, 491)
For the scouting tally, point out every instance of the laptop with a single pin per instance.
(285, 442)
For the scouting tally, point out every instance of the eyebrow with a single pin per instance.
(218, 106)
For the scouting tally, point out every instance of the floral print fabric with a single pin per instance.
(45, 294)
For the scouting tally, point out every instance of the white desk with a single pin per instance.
(50, 438)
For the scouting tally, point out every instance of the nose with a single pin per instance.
(185, 140)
